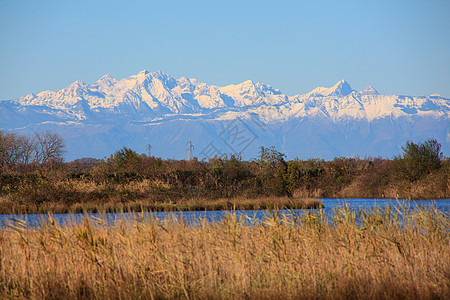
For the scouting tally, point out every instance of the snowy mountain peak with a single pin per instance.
(369, 91)
(105, 80)
(78, 83)
(340, 89)
(106, 77)
(76, 86)
(30, 96)
(160, 75)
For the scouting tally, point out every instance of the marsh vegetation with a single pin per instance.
(33, 178)
(382, 254)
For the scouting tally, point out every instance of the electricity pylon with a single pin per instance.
(189, 148)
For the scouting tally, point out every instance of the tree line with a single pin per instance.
(32, 171)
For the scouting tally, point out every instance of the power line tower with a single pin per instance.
(149, 150)
(189, 148)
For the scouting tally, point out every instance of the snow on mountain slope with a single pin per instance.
(152, 102)
(340, 89)
(250, 94)
(369, 91)
(155, 94)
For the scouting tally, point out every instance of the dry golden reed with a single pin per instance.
(7, 206)
(384, 254)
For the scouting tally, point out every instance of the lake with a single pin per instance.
(34, 220)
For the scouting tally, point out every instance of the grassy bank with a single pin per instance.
(286, 257)
(115, 205)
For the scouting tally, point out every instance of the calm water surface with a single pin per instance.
(34, 220)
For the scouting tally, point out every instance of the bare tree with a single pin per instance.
(19, 150)
(4, 146)
(14, 149)
(48, 147)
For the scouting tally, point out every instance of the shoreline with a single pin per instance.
(164, 206)
(183, 205)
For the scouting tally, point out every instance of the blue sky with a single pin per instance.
(399, 47)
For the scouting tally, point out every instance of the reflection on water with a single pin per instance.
(193, 217)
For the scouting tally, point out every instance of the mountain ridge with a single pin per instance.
(150, 99)
(160, 93)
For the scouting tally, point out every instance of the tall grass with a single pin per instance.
(139, 205)
(383, 254)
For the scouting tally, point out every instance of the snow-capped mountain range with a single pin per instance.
(152, 108)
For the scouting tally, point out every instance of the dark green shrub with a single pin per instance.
(124, 160)
(419, 159)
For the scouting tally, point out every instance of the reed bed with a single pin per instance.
(143, 205)
(379, 254)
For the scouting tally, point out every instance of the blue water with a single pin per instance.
(34, 220)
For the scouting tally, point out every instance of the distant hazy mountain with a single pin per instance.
(152, 108)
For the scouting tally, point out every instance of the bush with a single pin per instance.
(125, 160)
(420, 159)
